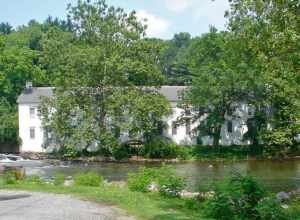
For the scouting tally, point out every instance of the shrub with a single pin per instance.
(9, 178)
(120, 152)
(58, 179)
(270, 209)
(220, 207)
(160, 148)
(68, 152)
(168, 183)
(141, 180)
(34, 179)
(88, 179)
(239, 195)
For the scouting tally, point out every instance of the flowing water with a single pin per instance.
(276, 175)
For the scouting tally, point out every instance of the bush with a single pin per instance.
(35, 180)
(141, 180)
(58, 179)
(270, 209)
(242, 197)
(167, 182)
(9, 178)
(220, 207)
(233, 151)
(88, 179)
(160, 147)
(121, 152)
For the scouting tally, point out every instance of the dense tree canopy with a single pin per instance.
(106, 51)
(101, 70)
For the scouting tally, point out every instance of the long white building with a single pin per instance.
(32, 135)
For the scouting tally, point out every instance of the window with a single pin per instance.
(229, 126)
(32, 133)
(174, 128)
(32, 112)
(251, 111)
(188, 127)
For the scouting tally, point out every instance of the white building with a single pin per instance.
(32, 135)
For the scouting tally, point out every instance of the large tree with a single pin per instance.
(219, 84)
(271, 30)
(105, 74)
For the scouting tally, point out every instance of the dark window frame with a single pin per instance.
(229, 127)
(32, 133)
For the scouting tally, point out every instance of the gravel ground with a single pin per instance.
(41, 206)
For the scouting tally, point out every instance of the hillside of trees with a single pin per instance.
(255, 60)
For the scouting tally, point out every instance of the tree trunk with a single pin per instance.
(217, 135)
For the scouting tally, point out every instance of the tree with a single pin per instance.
(5, 28)
(101, 70)
(173, 60)
(271, 30)
(221, 74)
(16, 67)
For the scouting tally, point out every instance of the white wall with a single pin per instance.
(25, 123)
(227, 138)
(239, 129)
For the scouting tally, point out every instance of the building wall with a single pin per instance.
(27, 122)
(239, 128)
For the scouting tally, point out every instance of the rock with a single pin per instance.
(283, 196)
(153, 187)
(190, 195)
(69, 183)
(120, 184)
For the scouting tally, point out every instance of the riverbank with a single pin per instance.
(206, 156)
(22, 205)
(141, 205)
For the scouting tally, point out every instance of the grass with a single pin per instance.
(141, 205)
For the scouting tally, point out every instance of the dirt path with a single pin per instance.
(42, 206)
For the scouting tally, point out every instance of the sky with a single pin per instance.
(164, 17)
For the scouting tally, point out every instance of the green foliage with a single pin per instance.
(99, 78)
(270, 209)
(242, 197)
(173, 60)
(9, 178)
(141, 180)
(58, 179)
(231, 152)
(120, 152)
(68, 152)
(33, 180)
(169, 183)
(164, 178)
(160, 147)
(88, 179)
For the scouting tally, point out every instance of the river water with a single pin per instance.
(275, 175)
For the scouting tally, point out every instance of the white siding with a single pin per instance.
(25, 123)
(235, 137)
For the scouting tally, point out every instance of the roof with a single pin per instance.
(35, 94)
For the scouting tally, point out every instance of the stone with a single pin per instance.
(69, 183)
(189, 195)
(282, 196)
(153, 187)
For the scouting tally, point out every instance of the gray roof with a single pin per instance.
(36, 93)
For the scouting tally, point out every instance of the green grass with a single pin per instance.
(141, 205)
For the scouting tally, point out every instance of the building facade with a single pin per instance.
(32, 134)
